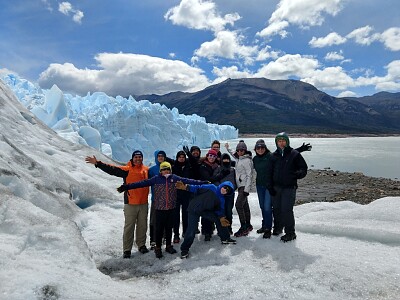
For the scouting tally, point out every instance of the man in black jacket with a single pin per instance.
(286, 167)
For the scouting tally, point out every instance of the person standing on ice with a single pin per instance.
(286, 167)
(244, 168)
(135, 203)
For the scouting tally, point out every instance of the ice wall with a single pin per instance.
(117, 126)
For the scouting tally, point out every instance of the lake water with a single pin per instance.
(373, 156)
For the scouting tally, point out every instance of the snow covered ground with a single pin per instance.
(61, 226)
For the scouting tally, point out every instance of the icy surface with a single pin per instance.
(124, 124)
(61, 223)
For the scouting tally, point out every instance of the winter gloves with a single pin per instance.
(224, 222)
(122, 188)
(304, 147)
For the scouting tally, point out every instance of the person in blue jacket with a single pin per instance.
(208, 202)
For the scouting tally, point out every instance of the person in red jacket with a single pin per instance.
(135, 202)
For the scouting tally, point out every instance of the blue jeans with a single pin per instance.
(264, 200)
(193, 220)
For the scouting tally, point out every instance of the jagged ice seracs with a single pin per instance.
(117, 126)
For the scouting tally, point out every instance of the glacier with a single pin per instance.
(117, 126)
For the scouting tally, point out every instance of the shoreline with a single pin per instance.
(316, 135)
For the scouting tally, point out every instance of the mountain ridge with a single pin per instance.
(260, 105)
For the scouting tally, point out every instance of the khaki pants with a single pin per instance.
(135, 216)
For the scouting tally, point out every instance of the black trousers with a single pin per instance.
(282, 208)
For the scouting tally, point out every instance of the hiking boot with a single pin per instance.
(177, 240)
(267, 234)
(207, 237)
(152, 245)
(249, 228)
(228, 241)
(241, 232)
(277, 231)
(170, 249)
(184, 254)
(288, 237)
(127, 254)
(143, 249)
(158, 252)
(261, 230)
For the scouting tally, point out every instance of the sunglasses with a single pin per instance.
(165, 169)
(240, 150)
(260, 147)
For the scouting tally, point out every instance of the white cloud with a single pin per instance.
(67, 9)
(126, 74)
(363, 35)
(334, 56)
(199, 14)
(331, 39)
(230, 72)
(303, 13)
(346, 94)
(227, 44)
(391, 38)
(287, 66)
(332, 78)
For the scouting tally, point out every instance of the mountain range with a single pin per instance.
(260, 105)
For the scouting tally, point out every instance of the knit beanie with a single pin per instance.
(137, 152)
(241, 146)
(161, 152)
(212, 152)
(180, 153)
(282, 136)
(194, 148)
(260, 143)
(165, 165)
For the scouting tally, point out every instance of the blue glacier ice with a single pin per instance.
(117, 126)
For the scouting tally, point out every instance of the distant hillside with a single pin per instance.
(259, 105)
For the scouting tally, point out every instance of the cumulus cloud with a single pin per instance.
(332, 78)
(389, 82)
(199, 14)
(363, 35)
(230, 72)
(391, 38)
(227, 44)
(346, 94)
(67, 9)
(126, 74)
(331, 39)
(331, 56)
(303, 13)
(288, 66)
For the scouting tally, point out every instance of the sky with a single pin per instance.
(61, 223)
(342, 47)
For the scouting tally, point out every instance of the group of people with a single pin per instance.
(192, 189)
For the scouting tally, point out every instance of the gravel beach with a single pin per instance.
(333, 186)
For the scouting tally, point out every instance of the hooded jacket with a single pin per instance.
(208, 197)
(286, 166)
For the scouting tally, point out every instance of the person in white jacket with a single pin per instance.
(244, 168)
